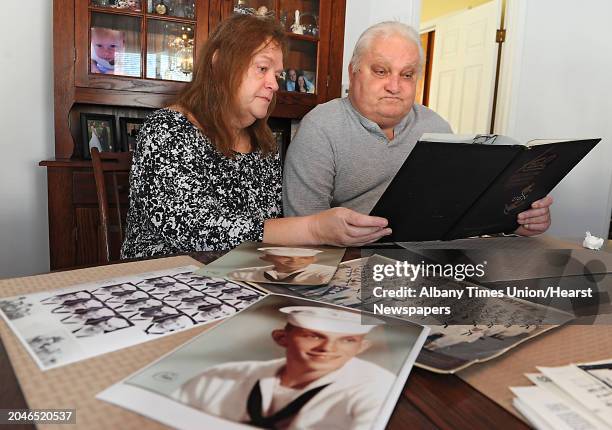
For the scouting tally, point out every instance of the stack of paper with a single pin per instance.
(573, 397)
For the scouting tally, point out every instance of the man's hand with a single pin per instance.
(345, 227)
(535, 220)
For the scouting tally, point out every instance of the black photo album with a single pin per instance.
(453, 186)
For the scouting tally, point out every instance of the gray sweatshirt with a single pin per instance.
(340, 158)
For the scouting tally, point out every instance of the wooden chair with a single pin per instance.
(116, 166)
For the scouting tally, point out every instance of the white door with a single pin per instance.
(463, 68)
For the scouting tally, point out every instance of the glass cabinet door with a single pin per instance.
(143, 40)
(115, 45)
(169, 50)
(300, 19)
(173, 8)
(300, 67)
(259, 7)
(128, 5)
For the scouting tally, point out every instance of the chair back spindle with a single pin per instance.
(110, 164)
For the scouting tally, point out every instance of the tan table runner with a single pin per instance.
(75, 385)
(62, 388)
(558, 347)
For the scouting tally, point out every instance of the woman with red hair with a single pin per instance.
(206, 173)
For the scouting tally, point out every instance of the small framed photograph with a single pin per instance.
(98, 131)
(290, 78)
(306, 82)
(301, 81)
(129, 127)
(107, 50)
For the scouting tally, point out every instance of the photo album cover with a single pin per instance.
(283, 362)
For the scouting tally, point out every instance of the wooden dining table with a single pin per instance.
(428, 400)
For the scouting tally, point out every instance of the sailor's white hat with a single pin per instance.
(327, 319)
(290, 252)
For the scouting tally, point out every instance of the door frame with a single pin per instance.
(496, 101)
(511, 62)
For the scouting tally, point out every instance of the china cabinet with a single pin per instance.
(121, 59)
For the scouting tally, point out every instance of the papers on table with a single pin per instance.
(449, 347)
(64, 326)
(344, 289)
(572, 397)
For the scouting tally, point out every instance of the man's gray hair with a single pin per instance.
(385, 29)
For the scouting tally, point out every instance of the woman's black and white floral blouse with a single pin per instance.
(186, 196)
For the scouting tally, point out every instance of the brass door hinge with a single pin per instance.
(500, 36)
(327, 81)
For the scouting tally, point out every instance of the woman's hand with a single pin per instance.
(536, 220)
(345, 227)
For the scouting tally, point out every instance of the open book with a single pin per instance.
(454, 186)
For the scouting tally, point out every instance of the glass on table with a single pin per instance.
(169, 50)
(115, 45)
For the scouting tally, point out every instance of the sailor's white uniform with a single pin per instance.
(314, 274)
(352, 399)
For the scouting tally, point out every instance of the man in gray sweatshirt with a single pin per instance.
(347, 151)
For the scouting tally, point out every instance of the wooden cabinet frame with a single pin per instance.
(72, 212)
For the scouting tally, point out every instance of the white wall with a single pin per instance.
(361, 14)
(560, 87)
(27, 136)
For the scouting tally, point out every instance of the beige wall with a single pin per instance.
(431, 9)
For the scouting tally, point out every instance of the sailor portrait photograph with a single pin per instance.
(289, 363)
(259, 263)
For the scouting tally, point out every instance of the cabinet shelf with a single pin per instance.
(116, 11)
(305, 37)
(170, 18)
(127, 12)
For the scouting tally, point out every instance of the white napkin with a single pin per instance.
(592, 242)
